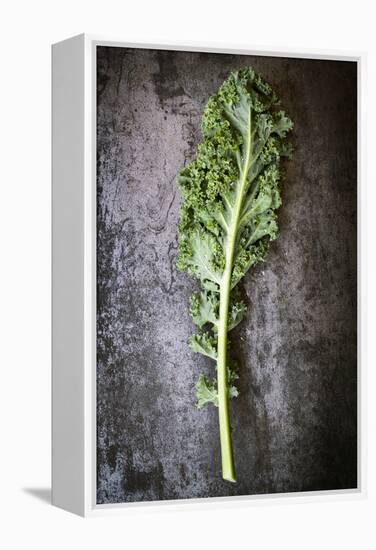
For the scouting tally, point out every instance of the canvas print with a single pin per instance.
(226, 275)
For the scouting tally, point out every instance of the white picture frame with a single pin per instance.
(74, 277)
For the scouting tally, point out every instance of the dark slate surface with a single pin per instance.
(294, 424)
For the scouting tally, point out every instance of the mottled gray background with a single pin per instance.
(294, 424)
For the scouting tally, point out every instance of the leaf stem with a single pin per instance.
(228, 471)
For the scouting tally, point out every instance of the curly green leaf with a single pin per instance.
(230, 197)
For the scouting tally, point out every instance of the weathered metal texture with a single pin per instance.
(294, 424)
